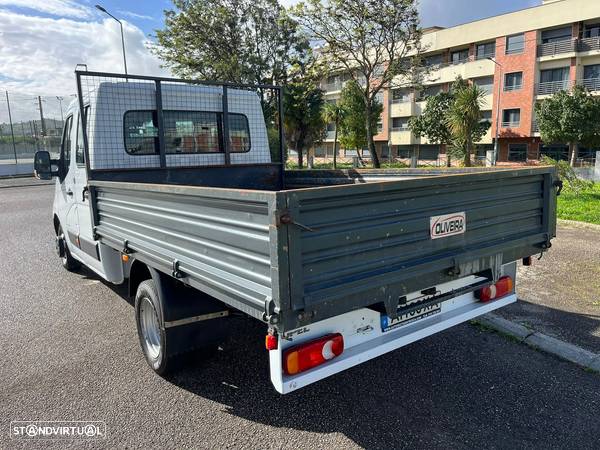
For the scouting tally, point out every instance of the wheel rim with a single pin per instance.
(150, 328)
(60, 240)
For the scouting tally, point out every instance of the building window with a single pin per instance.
(385, 151)
(430, 91)
(434, 60)
(561, 34)
(486, 84)
(401, 96)
(459, 56)
(517, 152)
(511, 118)
(319, 152)
(513, 81)
(486, 115)
(554, 75)
(404, 151)
(487, 50)
(591, 77)
(515, 44)
(429, 152)
(592, 30)
(557, 152)
(400, 123)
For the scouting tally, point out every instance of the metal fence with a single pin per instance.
(28, 123)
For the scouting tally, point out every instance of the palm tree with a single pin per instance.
(464, 119)
(334, 113)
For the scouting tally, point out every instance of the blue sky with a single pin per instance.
(41, 41)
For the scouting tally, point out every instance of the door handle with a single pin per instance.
(69, 192)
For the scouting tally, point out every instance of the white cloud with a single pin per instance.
(64, 8)
(134, 15)
(38, 55)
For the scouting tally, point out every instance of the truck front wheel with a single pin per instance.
(62, 249)
(151, 330)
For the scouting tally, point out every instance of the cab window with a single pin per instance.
(80, 149)
(66, 144)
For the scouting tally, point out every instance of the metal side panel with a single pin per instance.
(217, 240)
(356, 245)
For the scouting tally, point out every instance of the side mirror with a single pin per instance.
(42, 165)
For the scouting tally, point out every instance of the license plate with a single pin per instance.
(388, 324)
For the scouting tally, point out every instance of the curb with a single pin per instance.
(563, 350)
(577, 224)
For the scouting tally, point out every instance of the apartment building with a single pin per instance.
(518, 59)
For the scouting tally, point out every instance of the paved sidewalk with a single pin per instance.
(9, 182)
(560, 295)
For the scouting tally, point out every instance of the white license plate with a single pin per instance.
(388, 324)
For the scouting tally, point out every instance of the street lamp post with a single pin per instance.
(495, 157)
(122, 36)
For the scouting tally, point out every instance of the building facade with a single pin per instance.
(518, 59)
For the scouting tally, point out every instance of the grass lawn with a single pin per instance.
(584, 207)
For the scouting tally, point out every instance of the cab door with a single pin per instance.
(64, 197)
(88, 248)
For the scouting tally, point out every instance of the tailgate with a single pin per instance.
(357, 245)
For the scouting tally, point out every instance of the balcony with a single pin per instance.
(590, 84)
(557, 48)
(403, 109)
(569, 46)
(513, 124)
(589, 44)
(553, 87)
(402, 136)
(471, 67)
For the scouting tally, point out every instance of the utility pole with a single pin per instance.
(12, 132)
(62, 119)
(42, 115)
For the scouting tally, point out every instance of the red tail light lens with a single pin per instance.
(311, 354)
(503, 287)
(271, 342)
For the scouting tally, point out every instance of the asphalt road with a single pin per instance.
(70, 352)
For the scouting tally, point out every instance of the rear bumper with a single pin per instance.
(364, 338)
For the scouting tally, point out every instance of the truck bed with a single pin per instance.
(331, 241)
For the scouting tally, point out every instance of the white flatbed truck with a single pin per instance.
(174, 187)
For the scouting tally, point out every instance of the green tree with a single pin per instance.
(571, 118)
(369, 40)
(334, 113)
(465, 119)
(353, 132)
(239, 41)
(433, 124)
(304, 124)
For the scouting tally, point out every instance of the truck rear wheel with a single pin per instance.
(151, 330)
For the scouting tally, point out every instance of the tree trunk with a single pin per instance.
(574, 149)
(448, 157)
(335, 145)
(370, 141)
(299, 153)
(467, 160)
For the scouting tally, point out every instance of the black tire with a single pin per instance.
(159, 352)
(62, 248)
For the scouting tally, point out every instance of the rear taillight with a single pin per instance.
(503, 287)
(311, 354)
